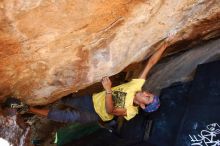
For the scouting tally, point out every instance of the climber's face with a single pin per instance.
(143, 98)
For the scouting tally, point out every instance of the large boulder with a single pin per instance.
(51, 48)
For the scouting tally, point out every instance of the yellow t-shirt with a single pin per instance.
(122, 96)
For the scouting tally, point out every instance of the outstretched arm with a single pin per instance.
(153, 60)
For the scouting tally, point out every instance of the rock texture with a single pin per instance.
(16, 133)
(181, 68)
(50, 48)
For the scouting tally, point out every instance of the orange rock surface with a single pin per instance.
(50, 48)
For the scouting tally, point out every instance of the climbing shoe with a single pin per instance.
(14, 103)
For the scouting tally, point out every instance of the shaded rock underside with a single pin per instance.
(52, 48)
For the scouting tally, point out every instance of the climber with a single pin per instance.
(122, 100)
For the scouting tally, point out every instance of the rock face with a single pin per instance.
(51, 48)
(14, 133)
(181, 68)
